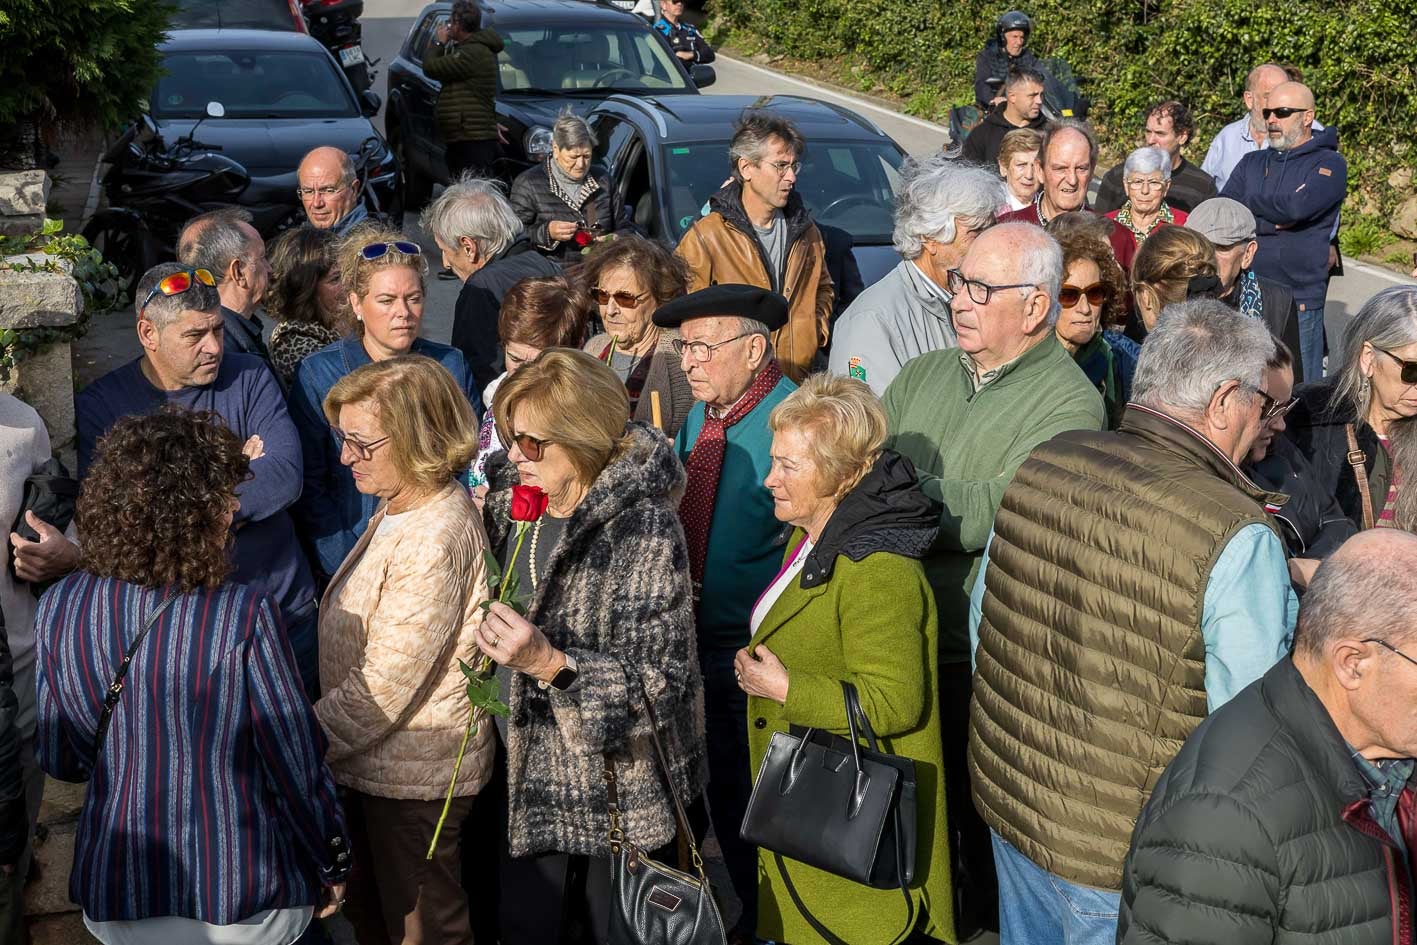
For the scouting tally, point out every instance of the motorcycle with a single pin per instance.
(335, 23)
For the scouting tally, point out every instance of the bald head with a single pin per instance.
(1290, 121)
(1291, 95)
(327, 186)
(1261, 81)
(1367, 589)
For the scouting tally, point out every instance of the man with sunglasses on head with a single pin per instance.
(184, 364)
(1295, 188)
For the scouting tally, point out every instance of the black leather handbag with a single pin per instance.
(51, 494)
(652, 903)
(825, 801)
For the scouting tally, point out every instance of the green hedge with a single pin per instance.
(1358, 55)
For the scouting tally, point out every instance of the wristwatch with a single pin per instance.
(565, 677)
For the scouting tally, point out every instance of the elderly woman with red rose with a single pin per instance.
(608, 613)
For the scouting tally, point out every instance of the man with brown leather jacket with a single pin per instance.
(758, 232)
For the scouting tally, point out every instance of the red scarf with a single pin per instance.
(706, 464)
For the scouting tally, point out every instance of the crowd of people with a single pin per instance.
(1065, 509)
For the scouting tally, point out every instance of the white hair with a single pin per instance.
(1195, 347)
(1037, 259)
(1148, 161)
(935, 194)
(475, 208)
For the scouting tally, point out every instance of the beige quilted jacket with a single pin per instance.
(397, 616)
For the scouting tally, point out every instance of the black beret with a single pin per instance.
(742, 301)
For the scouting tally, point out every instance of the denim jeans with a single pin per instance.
(1038, 908)
(730, 775)
(1311, 340)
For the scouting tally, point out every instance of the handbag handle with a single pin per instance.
(115, 688)
(1357, 460)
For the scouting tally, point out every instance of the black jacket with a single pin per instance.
(982, 145)
(243, 334)
(1318, 431)
(14, 822)
(480, 302)
(1279, 312)
(1260, 831)
(1314, 523)
(994, 62)
(1189, 186)
(841, 266)
(538, 200)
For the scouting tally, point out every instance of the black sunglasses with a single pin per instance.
(1409, 368)
(1284, 111)
(532, 447)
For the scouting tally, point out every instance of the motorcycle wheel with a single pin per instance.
(129, 250)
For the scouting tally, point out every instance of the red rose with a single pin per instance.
(528, 503)
(583, 238)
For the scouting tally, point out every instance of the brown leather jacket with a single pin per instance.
(723, 248)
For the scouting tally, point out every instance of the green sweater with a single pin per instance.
(468, 73)
(967, 446)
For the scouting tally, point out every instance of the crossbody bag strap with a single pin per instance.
(115, 688)
(1357, 461)
(822, 930)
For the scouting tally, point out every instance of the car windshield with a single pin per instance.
(252, 83)
(566, 60)
(846, 184)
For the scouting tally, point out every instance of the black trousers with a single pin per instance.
(474, 157)
(976, 887)
(730, 775)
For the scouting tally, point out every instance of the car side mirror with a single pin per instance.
(216, 110)
(370, 103)
(702, 76)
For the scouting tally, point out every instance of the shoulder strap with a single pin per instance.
(1357, 460)
(826, 933)
(115, 688)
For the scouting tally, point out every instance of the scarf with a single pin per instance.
(1251, 303)
(1124, 217)
(571, 188)
(706, 464)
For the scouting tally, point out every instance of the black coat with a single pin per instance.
(14, 821)
(1314, 523)
(983, 144)
(841, 266)
(538, 201)
(994, 62)
(1259, 832)
(480, 302)
(1317, 429)
(1279, 312)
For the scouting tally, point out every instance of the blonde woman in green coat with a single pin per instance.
(851, 603)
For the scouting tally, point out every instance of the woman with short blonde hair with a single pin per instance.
(1018, 166)
(845, 427)
(399, 615)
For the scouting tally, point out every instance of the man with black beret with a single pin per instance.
(735, 545)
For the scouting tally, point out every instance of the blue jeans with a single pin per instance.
(1038, 908)
(1311, 340)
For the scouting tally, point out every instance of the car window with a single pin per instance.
(850, 184)
(252, 84)
(423, 35)
(560, 59)
(610, 137)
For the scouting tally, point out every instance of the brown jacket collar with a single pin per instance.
(1173, 435)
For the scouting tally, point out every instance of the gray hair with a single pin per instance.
(1367, 589)
(751, 326)
(1037, 260)
(571, 131)
(163, 310)
(1387, 320)
(1148, 161)
(214, 239)
(755, 128)
(1059, 128)
(935, 194)
(1196, 347)
(476, 208)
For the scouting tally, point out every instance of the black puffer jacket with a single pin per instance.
(1316, 425)
(538, 200)
(1260, 832)
(1314, 523)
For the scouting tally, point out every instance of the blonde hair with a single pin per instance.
(845, 427)
(1019, 141)
(356, 272)
(579, 403)
(430, 425)
(1169, 259)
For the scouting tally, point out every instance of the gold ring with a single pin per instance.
(496, 640)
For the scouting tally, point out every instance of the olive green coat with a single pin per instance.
(468, 73)
(873, 624)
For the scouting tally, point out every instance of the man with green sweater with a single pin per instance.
(968, 417)
(463, 58)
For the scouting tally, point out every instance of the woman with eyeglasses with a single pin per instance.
(1367, 410)
(563, 206)
(609, 615)
(629, 278)
(1146, 177)
(383, 275)
(399, 614)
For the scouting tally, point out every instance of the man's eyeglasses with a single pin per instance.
(701, 351)
(1096, 294)
(379, 250)
(1388, 646)
(177, 283)
(1409, 368)
(362, 450)
(622, 299)
(782, 167)
(1267, 403)
(532, 447)
(329, 190)
(1275, 410)
(980, 292)
(1145, 184)
(1284, 111)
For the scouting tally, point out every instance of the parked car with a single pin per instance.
(238, 14)
(557, 53)
(667, 156)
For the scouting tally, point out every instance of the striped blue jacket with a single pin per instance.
(211, 799)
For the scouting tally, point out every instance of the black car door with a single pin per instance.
(418, 94)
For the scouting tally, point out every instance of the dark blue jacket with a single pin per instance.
(332, 512)
(1295, 197)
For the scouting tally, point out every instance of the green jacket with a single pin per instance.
(468, 73)
(873, 624)
(967, 445)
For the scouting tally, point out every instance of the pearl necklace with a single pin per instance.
(531, 562)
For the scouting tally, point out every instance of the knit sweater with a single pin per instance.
(968, 444)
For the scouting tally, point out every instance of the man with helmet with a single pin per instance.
(1003, 54)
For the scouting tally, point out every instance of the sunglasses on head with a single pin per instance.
(1096, 294)
(1283, 111)
(622, 299)
(1408, 368)
(379, 250)
(177, 283)
(532, 447)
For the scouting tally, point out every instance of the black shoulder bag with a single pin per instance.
(825, 801)
(51, 494)
(115, 688)
(651, 903)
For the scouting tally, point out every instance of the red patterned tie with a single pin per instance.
(706, 463)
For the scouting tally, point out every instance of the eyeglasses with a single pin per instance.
(177, 283)
(1388, 646)
(1267, 405)
(1145, 184)
(782, 167)
(1096, 294)
(1408, 368)
(701, 351)
(1283, 111)
(1277, 409)
(622, 299)
(329, 190)
(980, 292)
(362, 450)
(532, 447)
(379, 250)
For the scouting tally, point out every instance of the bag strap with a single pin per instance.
(115, 688)
(1357, 461)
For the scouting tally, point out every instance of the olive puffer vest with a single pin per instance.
(1091, 661)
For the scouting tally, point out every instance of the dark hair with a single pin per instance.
(300, 261)
(151, 509)
(1283, 357)
(663, 274)
(466, 14)
(1181, 120)
(544, 312)
(163, 310)
(750, 136)
(1083, 235)
(1019, 76)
